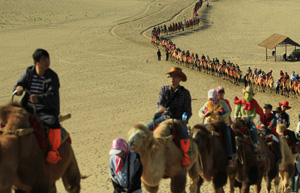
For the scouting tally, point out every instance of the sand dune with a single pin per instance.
(109, 73)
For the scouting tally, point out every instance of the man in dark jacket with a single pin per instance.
(42, 93)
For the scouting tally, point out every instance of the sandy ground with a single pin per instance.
(108, 70)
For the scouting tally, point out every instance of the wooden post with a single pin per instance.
(266, 54)
(275, 54)
(285, 49)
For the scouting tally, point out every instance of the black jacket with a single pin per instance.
(50, 97)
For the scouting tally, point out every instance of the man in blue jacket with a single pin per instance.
(42, 92)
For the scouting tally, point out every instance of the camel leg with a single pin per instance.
(178, 182)
(268, 183)
(151, 189)
(258, 186)
(231, 183)
(71, 177)
(53, 188)
(194, 177)
(218, 190)
(200, 182)
(286, 182)
(245, 187)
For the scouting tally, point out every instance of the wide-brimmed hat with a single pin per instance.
(285, 103)
(249, 89)
(178, 71)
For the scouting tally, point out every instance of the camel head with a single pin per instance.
(14, 114)
(139, 137)
(280, 128)
(200, 134)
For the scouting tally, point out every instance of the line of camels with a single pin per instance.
(260, 82)
(228, 71)
(161, 157)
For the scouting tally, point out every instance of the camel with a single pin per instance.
(161, 158)
(286, 167)
(213, 156)
(270, 84)
(268, 164)
(22, 161)
(248, 169)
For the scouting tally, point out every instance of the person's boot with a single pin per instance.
(185, 145)
(54, 137)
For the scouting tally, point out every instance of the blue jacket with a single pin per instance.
(50, 97)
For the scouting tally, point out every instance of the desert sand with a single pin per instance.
(109, 73)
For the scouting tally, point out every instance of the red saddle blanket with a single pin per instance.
(41, 137)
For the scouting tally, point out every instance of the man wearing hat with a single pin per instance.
(174, 100)
(286, 120)
(246, 109)
(125, 168)
(269, 128)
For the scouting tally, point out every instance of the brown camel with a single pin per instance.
(245, 171)
(22, 161)
(161, 158)
(286, 167)
(212, 154)
(249, 169)
(267, 166)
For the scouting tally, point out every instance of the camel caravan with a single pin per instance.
(161, 158)
(261, 81)
(286, 85)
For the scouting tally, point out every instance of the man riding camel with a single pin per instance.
(269, 128)
(43, 86)
(174, 101)
(246, 109)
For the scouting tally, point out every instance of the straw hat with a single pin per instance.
(177, 71)
(285, 103)
(249, 89)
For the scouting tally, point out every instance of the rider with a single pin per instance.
(269, 128)
(217, 109)
(286, 120)
(247, 108)
(43, 85)
(248, 71)
(269, 74)
(175, 100)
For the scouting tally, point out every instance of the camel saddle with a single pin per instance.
(41, 132)
(176, 139)
(269, 140)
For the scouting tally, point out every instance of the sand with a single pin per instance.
(108, 70)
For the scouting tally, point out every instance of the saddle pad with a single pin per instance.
(42, 135)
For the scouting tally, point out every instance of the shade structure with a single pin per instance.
(275, 40)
